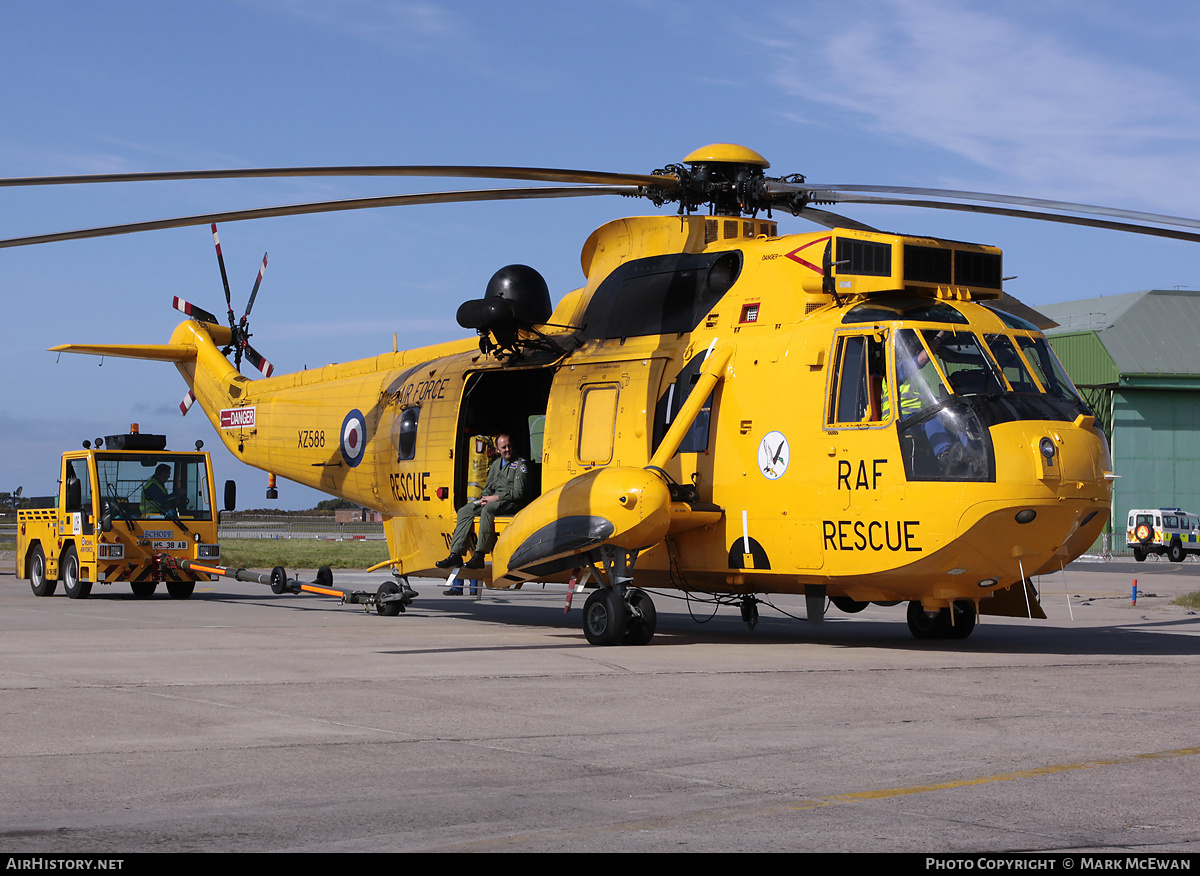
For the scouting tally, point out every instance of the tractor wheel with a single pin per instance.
(36, 569)
(68, 569)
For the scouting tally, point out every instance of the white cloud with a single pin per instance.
(1020, 98)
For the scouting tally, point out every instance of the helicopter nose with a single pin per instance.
(1071, 457)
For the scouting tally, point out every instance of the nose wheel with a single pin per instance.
(939, 624)
(611, 619)
(617, 614)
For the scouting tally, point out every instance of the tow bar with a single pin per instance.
(392, 597)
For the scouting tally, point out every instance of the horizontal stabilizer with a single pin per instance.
(157, 352)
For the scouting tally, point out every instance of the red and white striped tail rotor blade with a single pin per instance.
(254, 292)
(258, 360)
(197, 313)
(186, 404)
(224, 276)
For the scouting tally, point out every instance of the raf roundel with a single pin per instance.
(354, 438)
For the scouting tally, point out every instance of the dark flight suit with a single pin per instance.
(508, 480)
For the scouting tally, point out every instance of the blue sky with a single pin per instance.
(1095, 102)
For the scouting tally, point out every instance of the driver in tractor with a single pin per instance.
(155, 497)
(505, 492)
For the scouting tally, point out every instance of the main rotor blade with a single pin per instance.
(539, 174)
(328, 207)
(834, 220)
(1024, 214)
(1017, 201)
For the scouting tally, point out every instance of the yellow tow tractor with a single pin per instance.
(127, 509)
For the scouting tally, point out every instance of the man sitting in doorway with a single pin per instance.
(504, 493)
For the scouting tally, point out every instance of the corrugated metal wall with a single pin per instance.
(1156, 451)
(1085, 359)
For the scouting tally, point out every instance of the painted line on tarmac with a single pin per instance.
(887, 793)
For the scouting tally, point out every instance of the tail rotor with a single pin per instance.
(242, 332)
(239, 328)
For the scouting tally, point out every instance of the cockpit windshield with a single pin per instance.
(929, 360)
(159, 486)
(1047, 367)
(951, 386)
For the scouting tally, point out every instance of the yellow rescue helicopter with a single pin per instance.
(722, 409)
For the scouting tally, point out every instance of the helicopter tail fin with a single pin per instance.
(194, 349)
(186, 342)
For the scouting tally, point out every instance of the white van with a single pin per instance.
(1170, 531)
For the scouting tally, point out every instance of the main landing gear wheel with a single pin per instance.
(926, 626)
(605, 617)
(37, 574)
(68, 568)
(181, 589)
(644, 620)
(964, 620)
(848, 605)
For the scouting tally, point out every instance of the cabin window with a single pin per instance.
(597, 423)
(406, 433)
(78, 468)
(669, 406)
(661, 294)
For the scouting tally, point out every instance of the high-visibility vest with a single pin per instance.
(149, 505)
(910, 400)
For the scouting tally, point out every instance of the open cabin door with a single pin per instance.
(496, 402)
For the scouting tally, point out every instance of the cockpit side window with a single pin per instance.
(858, 394)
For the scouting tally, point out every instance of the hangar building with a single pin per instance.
(1136, 360)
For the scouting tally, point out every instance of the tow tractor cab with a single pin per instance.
(1170, 531)
(127, 509)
